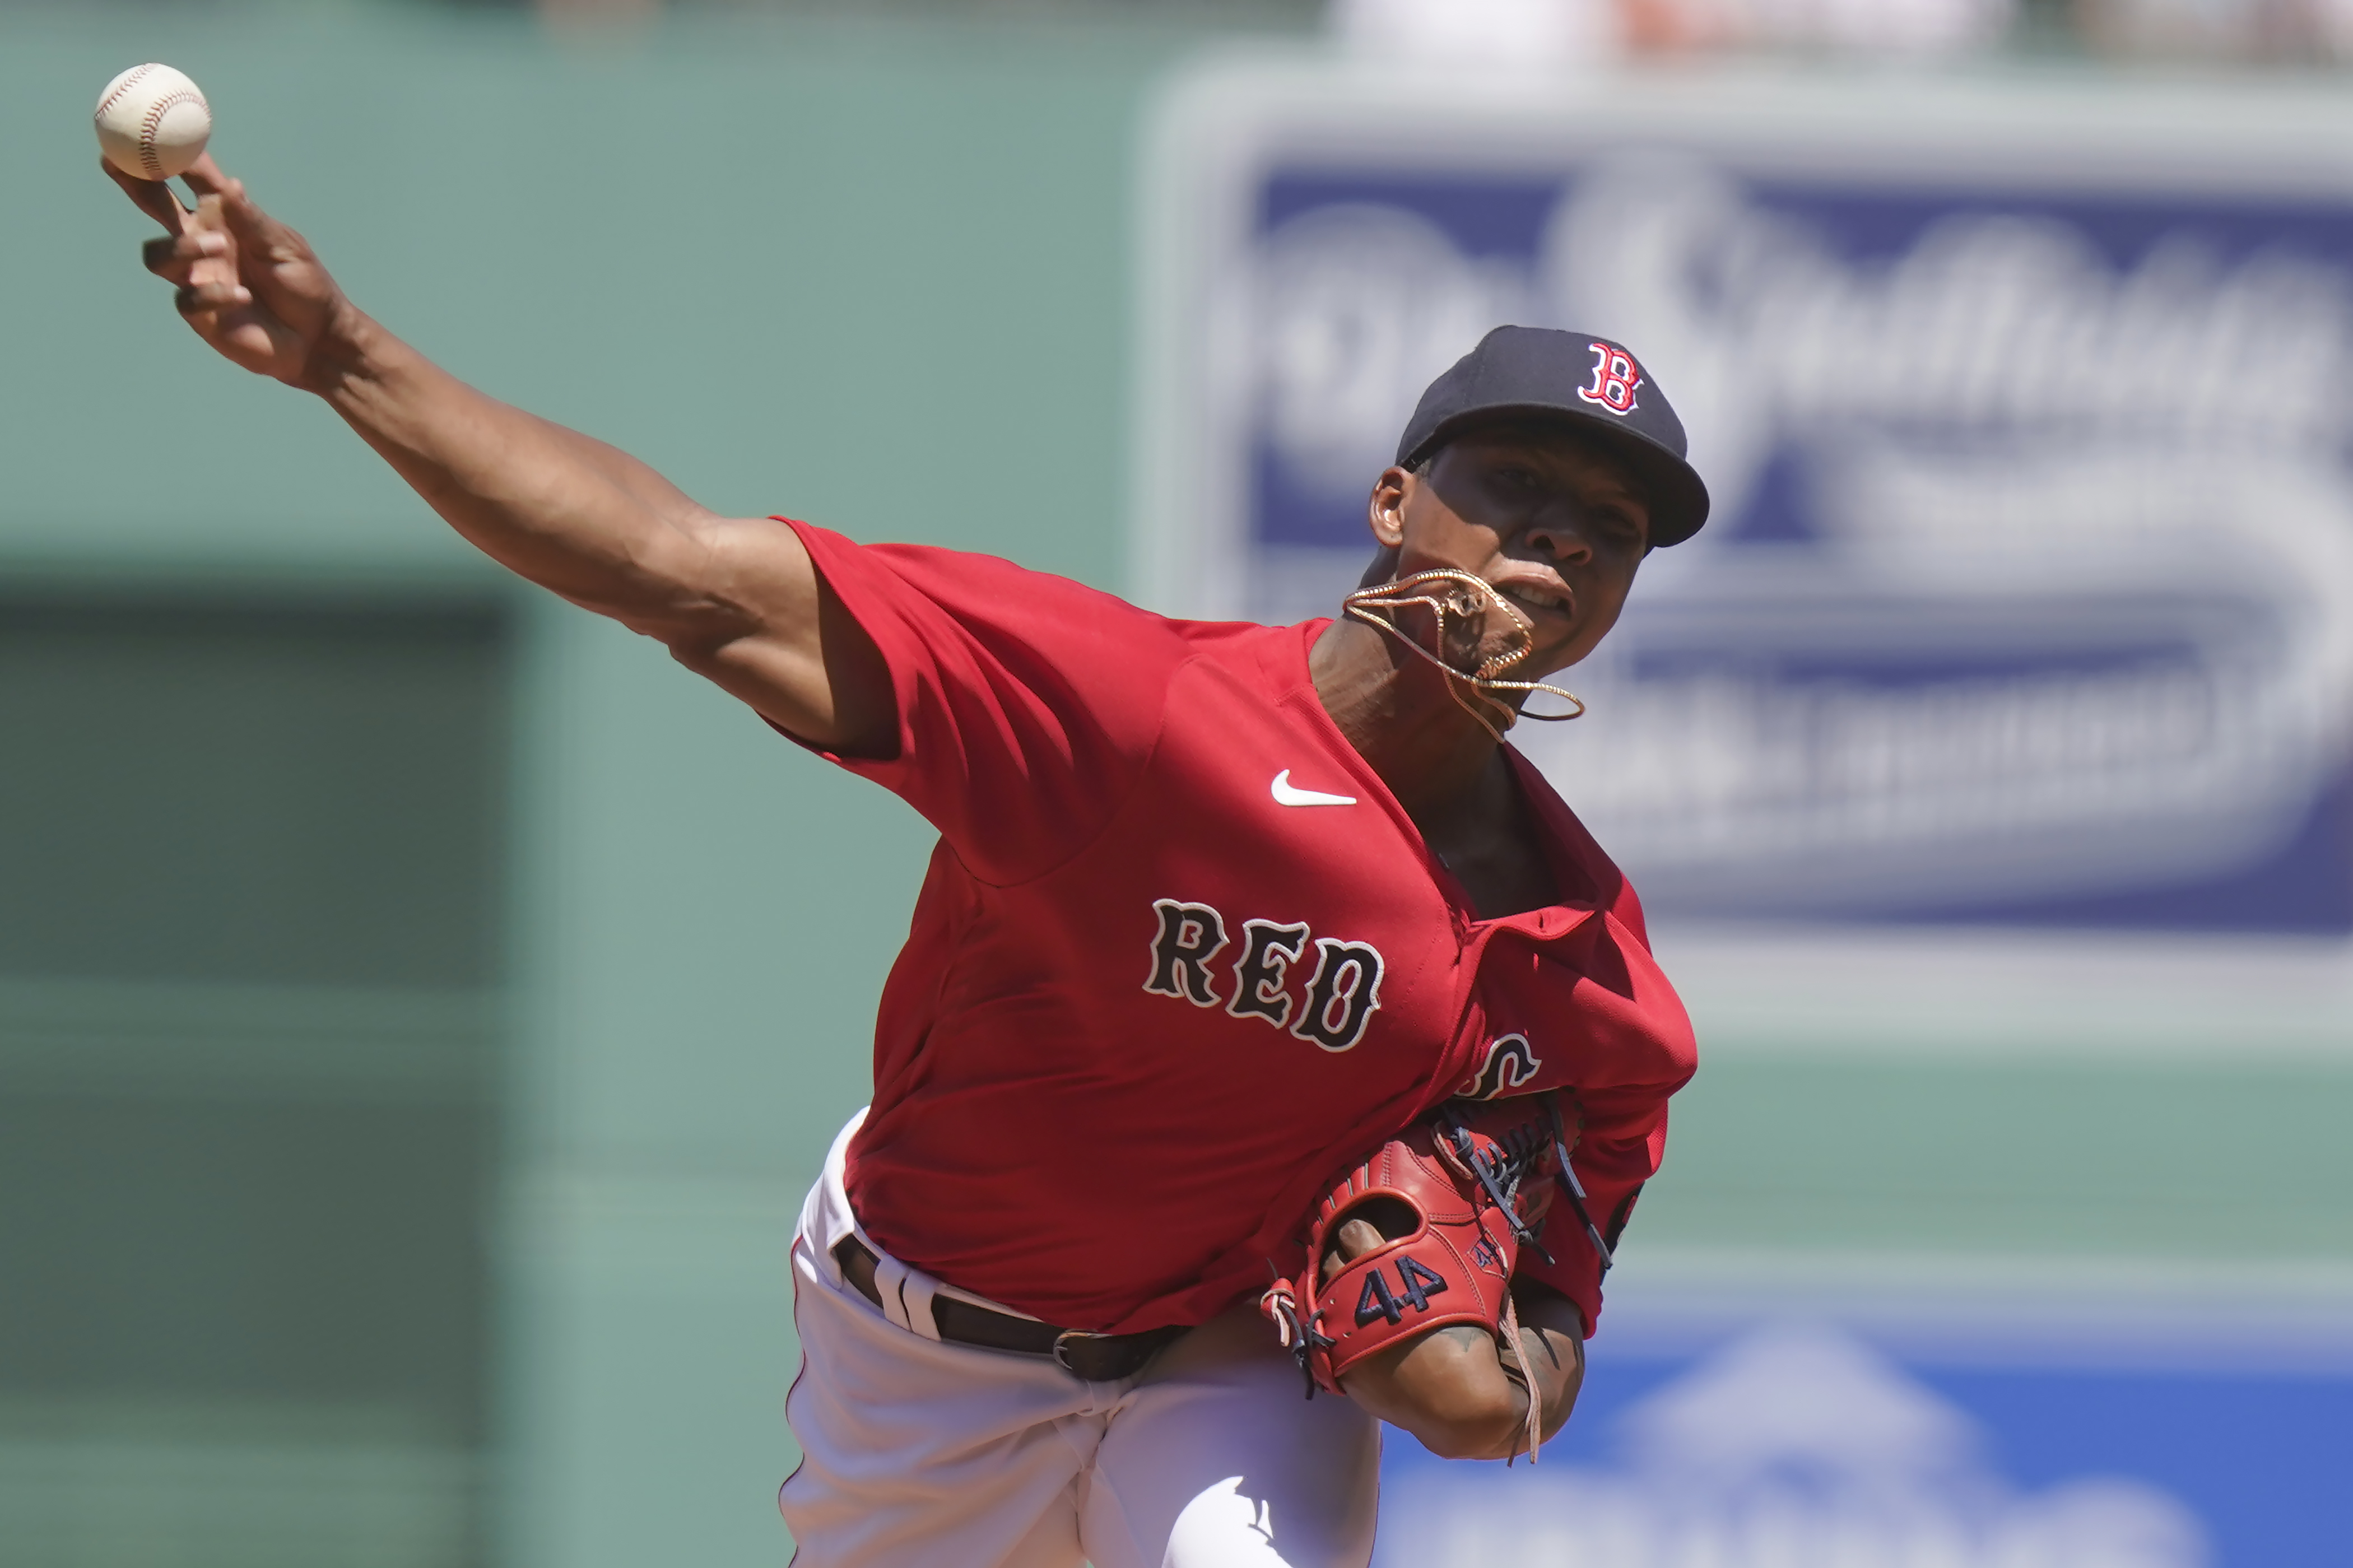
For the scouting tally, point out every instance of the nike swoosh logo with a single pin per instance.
(1286, 793)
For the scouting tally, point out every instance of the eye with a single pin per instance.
(1615, 525)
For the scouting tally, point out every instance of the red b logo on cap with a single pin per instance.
(1615, 377)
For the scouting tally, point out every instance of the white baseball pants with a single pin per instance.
(925, 1454)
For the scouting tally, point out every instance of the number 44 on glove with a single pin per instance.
(1455, 1199)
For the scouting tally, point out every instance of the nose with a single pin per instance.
(1558, 531)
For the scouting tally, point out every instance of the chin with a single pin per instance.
(1553, 648)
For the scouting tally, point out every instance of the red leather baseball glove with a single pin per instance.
(1454, 1198)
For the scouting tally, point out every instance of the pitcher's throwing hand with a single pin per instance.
(248, 284)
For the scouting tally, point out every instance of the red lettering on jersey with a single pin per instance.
(1615, 377)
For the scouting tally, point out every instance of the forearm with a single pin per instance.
(1459, 1391)
(565, 510)
(738, 600)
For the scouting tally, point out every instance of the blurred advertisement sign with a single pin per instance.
(1779, 1441)
(2028, 598)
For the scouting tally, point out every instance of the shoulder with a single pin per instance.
(988, 590)
(908, 595)
(960, 575)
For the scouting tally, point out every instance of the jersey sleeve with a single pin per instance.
(1625, 1137)
(1634, 1016)
(1027, 704)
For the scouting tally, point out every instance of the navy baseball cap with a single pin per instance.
(1521, 372)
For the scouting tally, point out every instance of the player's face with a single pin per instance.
(1553, 521)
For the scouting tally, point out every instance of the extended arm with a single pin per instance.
(735, 599)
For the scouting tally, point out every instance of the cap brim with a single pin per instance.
(1677, 495)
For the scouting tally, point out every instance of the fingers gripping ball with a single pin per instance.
(1454, 1200)
(152, 122)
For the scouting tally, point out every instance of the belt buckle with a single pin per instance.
(1063, 1342)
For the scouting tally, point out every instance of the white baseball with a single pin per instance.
(152, 122)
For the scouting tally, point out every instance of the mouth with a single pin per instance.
(1538, 596)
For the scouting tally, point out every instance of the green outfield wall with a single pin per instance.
(878, 277)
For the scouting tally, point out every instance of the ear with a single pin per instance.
(1386, 512)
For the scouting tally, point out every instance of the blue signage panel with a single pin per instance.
(2028, 600)
(1807, 1444)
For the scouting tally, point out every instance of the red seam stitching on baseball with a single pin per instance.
(137, 75)
(154, 122)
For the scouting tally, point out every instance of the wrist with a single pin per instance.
(349, 349)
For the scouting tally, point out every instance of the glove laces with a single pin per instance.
(1574, 1191)
(1296, 1330)
(1501, 1170)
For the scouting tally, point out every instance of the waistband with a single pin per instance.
(1098, 1357)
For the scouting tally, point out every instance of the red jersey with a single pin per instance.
(1180, 956)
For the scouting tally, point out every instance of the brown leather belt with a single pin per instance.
(1099, 1358)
